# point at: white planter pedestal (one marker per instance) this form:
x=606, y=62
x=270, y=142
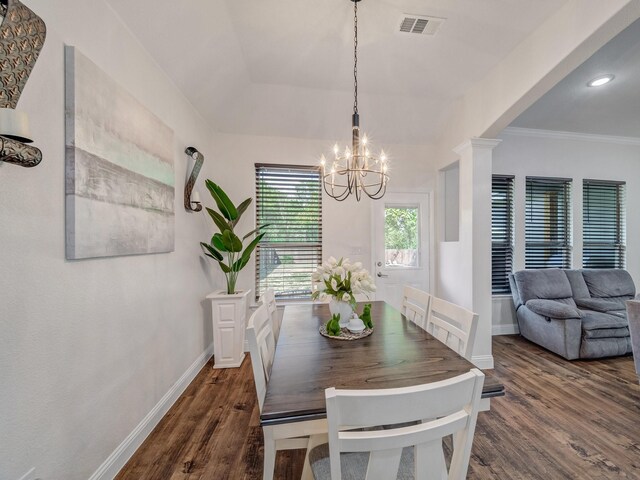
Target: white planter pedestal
x=228, y=315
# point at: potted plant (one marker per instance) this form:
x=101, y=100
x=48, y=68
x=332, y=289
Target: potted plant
x=229, y=307
x=341, y=280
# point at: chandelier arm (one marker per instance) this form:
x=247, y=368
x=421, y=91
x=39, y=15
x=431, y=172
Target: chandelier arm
x=342, y=196
x=383, y=185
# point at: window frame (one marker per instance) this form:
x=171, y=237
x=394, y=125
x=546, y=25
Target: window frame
x=534, y=247
x=620, y=245
x=501, y=286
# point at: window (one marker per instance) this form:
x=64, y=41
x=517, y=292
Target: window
x=289, y=200
x=401, y=237
x=548, y=223
x=501, y=233
x=603, y=224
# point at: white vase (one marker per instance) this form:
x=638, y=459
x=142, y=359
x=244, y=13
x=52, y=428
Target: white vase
x=343, y=308
x=228, y=315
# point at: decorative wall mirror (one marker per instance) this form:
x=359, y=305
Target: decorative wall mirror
x=22, y=35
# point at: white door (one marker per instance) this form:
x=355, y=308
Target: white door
x=401, y=244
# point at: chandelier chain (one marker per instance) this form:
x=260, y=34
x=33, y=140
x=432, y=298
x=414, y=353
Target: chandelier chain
x=355, y=57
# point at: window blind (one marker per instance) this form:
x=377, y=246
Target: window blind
x=501, y=233
x=289, y=200
x=548, y=223
x=603, y=224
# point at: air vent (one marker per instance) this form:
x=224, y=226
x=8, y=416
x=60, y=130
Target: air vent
x=420, y=24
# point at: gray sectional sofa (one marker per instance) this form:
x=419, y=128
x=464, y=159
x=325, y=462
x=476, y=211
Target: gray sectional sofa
x=574, y=313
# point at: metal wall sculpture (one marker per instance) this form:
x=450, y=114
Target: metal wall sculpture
x=22, y=35
x=189, y=204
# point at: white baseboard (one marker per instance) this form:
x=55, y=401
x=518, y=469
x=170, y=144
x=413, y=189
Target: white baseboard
x=508, y=329
x=121, y=455
x=482, y=361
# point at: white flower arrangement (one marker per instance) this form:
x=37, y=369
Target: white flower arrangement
x=341, y=280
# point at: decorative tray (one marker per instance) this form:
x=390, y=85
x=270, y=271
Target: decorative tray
x=346, y=334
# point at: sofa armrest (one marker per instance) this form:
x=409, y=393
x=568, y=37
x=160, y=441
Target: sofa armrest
x=562, y=336
x=553, y=309
x=599, y=304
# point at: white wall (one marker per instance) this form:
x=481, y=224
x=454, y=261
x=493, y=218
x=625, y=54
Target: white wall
x=452, y=203
x=534, y=153
x=89, y=347
x=347, y=224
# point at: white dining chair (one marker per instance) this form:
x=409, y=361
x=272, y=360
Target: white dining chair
x=415, y=305
x=289, y=436
x=453, y=325
x=633, y=315
x=262, y=349
x=423, y=416
x=268, y=298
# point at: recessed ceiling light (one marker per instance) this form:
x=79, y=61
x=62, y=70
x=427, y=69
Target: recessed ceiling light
x=599, y=81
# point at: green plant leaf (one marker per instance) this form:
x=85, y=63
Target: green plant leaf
x=212, y=252
x=246, y=255
x=231, y=241
x=219, y=220
x=218, y=242
x=250, y=233
x=255, y=231
x=240, y=264
x=225, y=268
x=225, y=205
x=241, y=209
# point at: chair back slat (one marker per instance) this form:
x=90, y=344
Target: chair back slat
x=384, y=464
x=415, y=305
x=440, y=409
x=453, y=325
x=261, y=348
x=269, y=297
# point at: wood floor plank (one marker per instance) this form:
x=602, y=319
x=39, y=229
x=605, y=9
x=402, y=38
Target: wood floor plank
x=559, y=420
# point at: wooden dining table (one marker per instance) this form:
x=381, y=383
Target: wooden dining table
x=397, y=354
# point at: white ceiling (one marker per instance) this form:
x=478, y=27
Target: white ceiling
x=284, y=67
x=612, y=109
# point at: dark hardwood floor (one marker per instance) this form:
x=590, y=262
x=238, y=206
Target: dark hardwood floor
x=558, y=420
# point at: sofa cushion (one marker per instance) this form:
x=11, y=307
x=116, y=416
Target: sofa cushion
x=599, y=320
x=604, y=347
x=599, y=304
x=578, y=285
x=606, y=333
x=553, y=309
x=550, y=283
x=609, y=283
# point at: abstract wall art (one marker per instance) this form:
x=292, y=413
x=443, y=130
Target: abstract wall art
x=119, y=168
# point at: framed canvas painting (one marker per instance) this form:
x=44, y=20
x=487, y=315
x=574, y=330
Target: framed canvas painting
x=119, y=168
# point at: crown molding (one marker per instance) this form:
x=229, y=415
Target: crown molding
x=477, y=142
x=558, y=135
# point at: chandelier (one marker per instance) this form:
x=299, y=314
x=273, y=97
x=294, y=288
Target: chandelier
x=356, y=170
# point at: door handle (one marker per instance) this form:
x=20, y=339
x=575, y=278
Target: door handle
x=382, y=275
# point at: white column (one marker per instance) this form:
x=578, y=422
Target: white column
x=476, y=157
